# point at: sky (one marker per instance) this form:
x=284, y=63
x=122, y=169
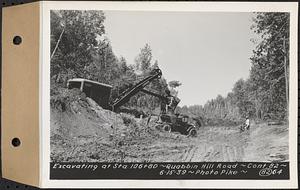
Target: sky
x=206, y=51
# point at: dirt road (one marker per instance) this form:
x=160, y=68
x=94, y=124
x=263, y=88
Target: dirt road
x=217, y=144
x=228, y=144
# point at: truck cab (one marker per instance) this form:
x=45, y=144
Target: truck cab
x=176, y=123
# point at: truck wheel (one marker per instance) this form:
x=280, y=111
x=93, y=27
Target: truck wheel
x=242, y=128
x=158, y=126
x=167, y=128
x=192, y=132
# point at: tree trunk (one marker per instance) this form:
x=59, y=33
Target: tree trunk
x=286, y=74
x=56, y=46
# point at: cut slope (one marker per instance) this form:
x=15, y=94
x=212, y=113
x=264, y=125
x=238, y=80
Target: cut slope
x=83, y=131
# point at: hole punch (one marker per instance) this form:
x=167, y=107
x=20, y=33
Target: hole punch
x=16, y=142
x=17, y=40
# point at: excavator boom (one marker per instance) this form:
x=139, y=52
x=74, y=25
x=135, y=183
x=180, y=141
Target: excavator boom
x=127, y=94
x=163, y=98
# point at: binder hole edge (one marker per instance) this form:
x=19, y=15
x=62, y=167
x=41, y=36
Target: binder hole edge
x=17, y=40
x=16, y=142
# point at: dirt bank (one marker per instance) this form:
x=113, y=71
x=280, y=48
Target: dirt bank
x=83, y=131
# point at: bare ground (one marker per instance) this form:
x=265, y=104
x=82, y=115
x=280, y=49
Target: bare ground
x=83, y=131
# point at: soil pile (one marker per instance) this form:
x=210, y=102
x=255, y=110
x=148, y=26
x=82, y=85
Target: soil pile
x=83, y=131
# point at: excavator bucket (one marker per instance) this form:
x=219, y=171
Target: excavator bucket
x=99, y=92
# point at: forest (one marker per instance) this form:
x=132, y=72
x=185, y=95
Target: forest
x=80, y=49
x=264, y=94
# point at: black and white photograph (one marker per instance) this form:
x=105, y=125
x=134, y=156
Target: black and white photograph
x=145, y=87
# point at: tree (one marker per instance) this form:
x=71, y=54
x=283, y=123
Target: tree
x=144, y=60
x=270, y=62
x=75, y=38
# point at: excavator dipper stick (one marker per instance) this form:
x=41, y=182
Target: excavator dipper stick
x=126, y=95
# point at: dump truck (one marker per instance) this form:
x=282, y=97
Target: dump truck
x=176, y=123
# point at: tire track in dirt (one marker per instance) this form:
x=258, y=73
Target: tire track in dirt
x=215, y=144
x=228, y=144
x=208, y=154
x=225, y=154
x=189, y=154
x=231, y=153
